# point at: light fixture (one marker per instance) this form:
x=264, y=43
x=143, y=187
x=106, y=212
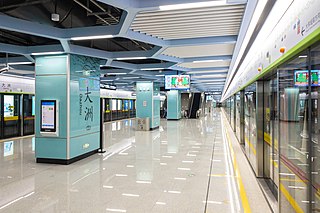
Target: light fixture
x=118, y=73
x=207, y=71
x=91, y=37
x=130, y=77
x=159, y=75
x=48, y=53
x=106, y=80
x=192, y=5
x=152, y=69
x=207, y=61
x=208, y=76
x=20, y=63
x=303, y=56
x=131, y=58
x=215, y=83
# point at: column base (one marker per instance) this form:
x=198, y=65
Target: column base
x=65, y=161
x=157, y=127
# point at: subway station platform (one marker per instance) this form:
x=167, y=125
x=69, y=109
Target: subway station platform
x=193, y=165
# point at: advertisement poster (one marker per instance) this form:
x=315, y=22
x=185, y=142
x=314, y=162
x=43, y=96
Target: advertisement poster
x=7, y=148
x=8, y=106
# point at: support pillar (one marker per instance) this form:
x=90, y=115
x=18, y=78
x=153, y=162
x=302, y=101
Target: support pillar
x=174, y=105
x=148, y=102
x=73, y=83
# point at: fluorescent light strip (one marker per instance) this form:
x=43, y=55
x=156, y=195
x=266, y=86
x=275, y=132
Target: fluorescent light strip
x=91, y=37
x=207, y=61
x=131, y=58
x=192, y=5
x=119, y=73
x=18, y=63
x=48, y=53
x=208, y=71
x=152, y=69
x=160, y=75
x=130, y=77
x=130, y=166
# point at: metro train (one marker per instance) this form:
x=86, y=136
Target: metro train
x=17, y=106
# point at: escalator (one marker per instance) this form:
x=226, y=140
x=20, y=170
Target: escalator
x=194, y=105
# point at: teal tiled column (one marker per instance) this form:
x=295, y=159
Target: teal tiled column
x=174, y=105
x=73, y=81
x=148, y=102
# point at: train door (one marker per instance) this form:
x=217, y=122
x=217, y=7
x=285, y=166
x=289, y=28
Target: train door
x=10, y=117
x=28, y=114
x=270, y=145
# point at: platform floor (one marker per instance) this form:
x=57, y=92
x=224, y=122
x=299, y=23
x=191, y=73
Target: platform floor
x=184, y=166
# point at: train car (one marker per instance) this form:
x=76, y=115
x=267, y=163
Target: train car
x=17, y=106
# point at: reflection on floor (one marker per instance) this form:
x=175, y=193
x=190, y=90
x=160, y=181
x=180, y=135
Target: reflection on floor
x=184, y=166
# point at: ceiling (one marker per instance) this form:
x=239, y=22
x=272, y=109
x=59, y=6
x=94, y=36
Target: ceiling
x=138, y=40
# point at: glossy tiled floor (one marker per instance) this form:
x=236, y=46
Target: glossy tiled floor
x=184, y=166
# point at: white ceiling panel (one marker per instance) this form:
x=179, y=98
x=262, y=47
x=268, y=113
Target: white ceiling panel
x=200, y=51
x=190, y=23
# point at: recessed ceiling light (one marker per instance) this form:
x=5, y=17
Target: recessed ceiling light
x=91, y=37
x=207, y=71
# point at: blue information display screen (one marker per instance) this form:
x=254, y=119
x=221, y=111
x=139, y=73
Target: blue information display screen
x=48, y=116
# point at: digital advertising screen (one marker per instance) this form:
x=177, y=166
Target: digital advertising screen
x=177, y=82
x=301, y=78
x=48, y=116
